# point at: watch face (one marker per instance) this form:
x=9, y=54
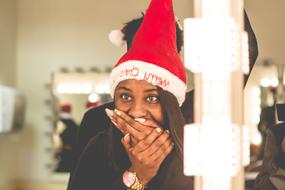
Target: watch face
x=129, y=178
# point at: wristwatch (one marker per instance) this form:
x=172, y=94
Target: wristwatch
x=131, y=180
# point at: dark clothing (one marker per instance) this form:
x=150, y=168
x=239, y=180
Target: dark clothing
x=94, y=121
x=66, y=154
x=267, y=119
x=98, y=168
x=68, y=136
x=272, y=175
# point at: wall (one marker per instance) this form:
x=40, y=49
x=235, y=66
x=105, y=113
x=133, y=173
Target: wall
x=7, y=42
x=8, y=142
x=267, y=17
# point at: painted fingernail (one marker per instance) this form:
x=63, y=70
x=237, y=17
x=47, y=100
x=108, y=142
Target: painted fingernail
x=126, y=136
x=158, y=130
x=140, y=120
x=117, y=112
x=109, y=112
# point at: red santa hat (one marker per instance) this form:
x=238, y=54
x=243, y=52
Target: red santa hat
x=65, y=108
x=153, y=56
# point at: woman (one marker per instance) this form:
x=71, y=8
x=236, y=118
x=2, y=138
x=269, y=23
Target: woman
x=148, y=85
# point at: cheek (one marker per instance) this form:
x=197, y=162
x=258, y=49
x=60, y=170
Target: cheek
x=157, y=114
x=121, y=105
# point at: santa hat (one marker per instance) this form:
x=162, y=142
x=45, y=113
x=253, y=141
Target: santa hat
x=153, y=56
x=65, y=108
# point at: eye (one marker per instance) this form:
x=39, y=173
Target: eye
x=152, y=99
x=126, y=97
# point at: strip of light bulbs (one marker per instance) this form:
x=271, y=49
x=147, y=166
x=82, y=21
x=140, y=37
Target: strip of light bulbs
x=214, y=49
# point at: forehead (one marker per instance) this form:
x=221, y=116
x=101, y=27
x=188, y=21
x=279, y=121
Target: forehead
x=135, y=85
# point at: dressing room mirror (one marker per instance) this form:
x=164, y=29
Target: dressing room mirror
x=264, y=90
x=72, y=95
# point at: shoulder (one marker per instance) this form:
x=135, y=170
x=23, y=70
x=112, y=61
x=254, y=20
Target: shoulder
x=92, y=167
x=94, y=121
x=97, y=142
x=98, y=111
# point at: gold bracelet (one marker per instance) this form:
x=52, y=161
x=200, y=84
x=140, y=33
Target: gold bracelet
x=137, y=185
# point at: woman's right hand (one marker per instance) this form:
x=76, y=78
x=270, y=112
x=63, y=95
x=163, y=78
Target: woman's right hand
x=148, y=154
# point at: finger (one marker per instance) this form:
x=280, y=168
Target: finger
x=132, y=122
x=126, y=140
x=147, y=142
x=159, y=145
x=160, y=158
x=124, y=126
x=111, y=114
x=151, y=123
x=157, y=154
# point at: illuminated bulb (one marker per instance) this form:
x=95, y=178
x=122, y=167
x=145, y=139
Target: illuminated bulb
x=256, y=139
x=93, y=98
x=255, y=92
x=265, y=82
x=74, y=88
x=274, y=82
x=255, y=119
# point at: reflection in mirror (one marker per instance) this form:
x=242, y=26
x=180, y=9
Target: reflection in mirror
x=73, y=94
x=264, y=90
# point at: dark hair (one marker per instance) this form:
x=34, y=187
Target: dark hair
x=132, y=26
x=173, y=119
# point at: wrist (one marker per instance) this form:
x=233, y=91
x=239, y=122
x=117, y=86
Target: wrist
x=140, y=177
x=131, y=181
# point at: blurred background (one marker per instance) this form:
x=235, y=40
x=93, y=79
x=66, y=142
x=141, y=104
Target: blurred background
x=55, y=58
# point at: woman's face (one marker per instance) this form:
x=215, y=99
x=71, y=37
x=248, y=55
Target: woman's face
x=139, y=99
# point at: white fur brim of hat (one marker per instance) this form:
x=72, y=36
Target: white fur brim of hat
x=151, y=73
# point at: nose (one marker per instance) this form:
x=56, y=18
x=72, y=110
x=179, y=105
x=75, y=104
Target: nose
x=137, y=110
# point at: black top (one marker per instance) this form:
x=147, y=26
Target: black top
x=98, y=168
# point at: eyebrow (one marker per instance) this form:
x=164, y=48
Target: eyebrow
x=124, y=88
x=151, y=90
x=127, y=89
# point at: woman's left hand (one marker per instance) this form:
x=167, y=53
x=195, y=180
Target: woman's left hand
x=128, y=125
x=148, y=154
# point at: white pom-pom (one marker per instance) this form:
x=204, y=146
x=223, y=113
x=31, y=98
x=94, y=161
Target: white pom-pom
x=117, y=38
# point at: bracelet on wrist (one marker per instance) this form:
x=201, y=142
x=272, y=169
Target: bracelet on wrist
x=131, y=180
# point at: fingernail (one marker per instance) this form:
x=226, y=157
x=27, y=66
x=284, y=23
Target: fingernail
x=126, y=136
x=167, y=131
x=140, y=120
x=109, y=112
x=117, y=112
x=114, y=122
x=158, y=129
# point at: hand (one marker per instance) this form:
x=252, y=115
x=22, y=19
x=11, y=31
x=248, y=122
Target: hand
x=126, y=124
x=148, y=154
